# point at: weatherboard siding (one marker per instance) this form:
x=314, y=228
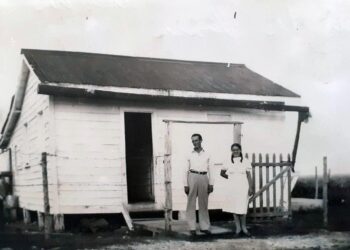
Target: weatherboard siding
x=29, y=139
x=88, y=158
x=90, y=147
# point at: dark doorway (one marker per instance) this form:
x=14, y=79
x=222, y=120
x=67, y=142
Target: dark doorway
x=139, y=157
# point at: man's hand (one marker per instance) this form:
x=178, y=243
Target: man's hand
x=210, y=189
x=187, y=190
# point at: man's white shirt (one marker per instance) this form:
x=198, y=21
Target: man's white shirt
x=200, y=162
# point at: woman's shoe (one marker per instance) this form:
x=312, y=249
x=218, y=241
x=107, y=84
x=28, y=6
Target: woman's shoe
x=246, y=234
x=206, y=232
x=193, y=233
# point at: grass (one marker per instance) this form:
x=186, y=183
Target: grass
x=338, y=199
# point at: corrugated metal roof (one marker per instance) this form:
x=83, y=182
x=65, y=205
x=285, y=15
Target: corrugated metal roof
x=150, y=73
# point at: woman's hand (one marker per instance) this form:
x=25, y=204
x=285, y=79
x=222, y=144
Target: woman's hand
x=250, y=191
x=210, y=189
x=223, y=174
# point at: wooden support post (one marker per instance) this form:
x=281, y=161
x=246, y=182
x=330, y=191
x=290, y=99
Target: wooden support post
x=13, y=214
x=26, y=216
x=274, y=184
x=167, y=180
x=289, y=173
x=267, y=172
x=2, y=215
x=301, y=116
x=282, y=184
x=325, y=192
x=41, y=221
x=48, y=225
x=316, y=183
x=254, y=185
x=58, y=222
x=261, y=184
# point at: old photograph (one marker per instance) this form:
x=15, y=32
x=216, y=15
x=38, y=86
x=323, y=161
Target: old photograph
x=148, y=124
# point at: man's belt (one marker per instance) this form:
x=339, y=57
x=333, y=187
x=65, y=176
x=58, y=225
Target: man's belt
x=197, y=172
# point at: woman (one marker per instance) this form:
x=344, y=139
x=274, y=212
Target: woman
x=240, y=188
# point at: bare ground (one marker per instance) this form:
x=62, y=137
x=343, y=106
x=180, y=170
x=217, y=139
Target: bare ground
x=321, y=240
x=305, y=231
x=122, y=239
x=324, y=240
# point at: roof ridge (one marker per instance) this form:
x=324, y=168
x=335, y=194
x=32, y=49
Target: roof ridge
x=61, y=52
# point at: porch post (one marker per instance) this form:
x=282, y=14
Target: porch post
x=48, y=220
x=167, y=180
x=301, y=117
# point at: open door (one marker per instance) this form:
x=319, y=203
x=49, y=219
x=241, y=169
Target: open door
x=139, y=157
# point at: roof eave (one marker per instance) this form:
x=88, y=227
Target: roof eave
x=57, y=90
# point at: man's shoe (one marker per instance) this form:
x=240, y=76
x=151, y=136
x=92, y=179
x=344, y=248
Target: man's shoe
x=247, y=234
x=207, y=232
x=193, y=233
x=238, y=235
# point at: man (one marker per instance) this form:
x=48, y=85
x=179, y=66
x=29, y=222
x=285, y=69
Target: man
x=198, y=182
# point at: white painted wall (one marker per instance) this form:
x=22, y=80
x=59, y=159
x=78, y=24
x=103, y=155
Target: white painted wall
x=217, y=139
x=301, y=44
x=30, y=138
x=90, y=148
x=5, y=161
x=89, y=163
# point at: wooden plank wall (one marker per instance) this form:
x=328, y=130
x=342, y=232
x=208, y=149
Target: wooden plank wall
x=89, y=154
x=30, y=138
x=88, y=157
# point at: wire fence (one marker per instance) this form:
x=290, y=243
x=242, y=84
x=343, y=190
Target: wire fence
x=101, y=181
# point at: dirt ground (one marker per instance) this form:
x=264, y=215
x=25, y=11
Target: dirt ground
x=320, y=240
x=325, y=240
x=305, y=231
x=122, y=240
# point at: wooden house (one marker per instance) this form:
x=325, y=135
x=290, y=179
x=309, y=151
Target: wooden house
x=94, y=133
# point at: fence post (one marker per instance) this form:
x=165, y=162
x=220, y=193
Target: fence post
x=167, y=180
x=282, y=184
x=325, y=192
x=261, y=200
x=267, y=172
x=289, y=192
x=254, y=185
x=47, y=216
x=274, y=184
x=316, y=183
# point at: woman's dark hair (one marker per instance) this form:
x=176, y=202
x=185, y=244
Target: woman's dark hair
x=240, y=148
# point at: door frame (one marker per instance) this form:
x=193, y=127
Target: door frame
x=124, y=183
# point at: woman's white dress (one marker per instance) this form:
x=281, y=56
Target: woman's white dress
x=237, y=187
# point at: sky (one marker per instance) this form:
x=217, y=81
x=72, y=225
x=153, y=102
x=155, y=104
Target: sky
x=301, y=44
